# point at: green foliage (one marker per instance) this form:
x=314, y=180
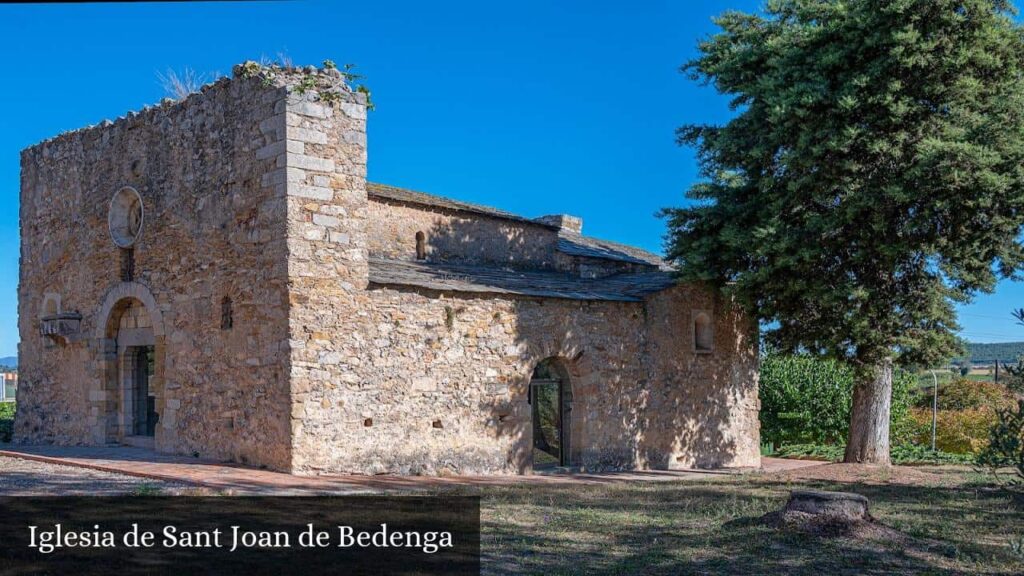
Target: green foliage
x=808, y=400
x=804, y=400
x=307, y=83
x=547, y=425
x=917, y=454
x=1006, y=445
x=1015, y=374
x=6, y=421
x=829, y=452
x=249, y=69
x=1014, y=379
x=449, y=318
x=267, y=72
x=901, y=454
x=362, y=89
x=967, y=409
x=957, y=431
x=903, y=384
x=963, y=394
x=870, y=177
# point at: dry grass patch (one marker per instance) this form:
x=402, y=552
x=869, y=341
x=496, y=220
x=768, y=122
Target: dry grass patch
x=952, y=522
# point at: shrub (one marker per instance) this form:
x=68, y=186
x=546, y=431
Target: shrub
x=916, y=454
x=956, y=431
x=964, y=394
x=967, y=411
x=806, y=400
x=6, y=421
x=829, y=452
x=900, y=454
x=1006, y=443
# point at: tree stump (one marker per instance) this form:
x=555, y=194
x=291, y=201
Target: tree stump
x=838, y=505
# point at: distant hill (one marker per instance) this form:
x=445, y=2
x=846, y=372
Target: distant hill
x=1005, y=352
x=9, y=361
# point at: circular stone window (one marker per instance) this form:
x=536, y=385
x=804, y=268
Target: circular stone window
x=125, y=217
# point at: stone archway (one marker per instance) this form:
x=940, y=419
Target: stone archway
x=131, y=291
x=130, y=333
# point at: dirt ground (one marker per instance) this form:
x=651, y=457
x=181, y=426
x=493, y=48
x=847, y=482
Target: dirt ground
x=875, y=475
x=931, y=520
x=29, y=478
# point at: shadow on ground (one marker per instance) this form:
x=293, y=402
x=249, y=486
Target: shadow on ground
x=715, y=528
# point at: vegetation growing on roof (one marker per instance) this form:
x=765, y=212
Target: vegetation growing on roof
x=311, y=79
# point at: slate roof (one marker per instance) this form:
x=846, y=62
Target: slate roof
x=569, y=242
x=494, y=280
x=579, y=245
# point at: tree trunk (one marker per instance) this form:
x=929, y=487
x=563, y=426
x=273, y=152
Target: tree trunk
x=868, y=442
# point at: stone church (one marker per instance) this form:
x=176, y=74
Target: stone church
x=215, y=277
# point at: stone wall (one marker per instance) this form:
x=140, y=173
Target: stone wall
x=415, y=381
x=474, y=239
x=409, y=391
x=709, y=401
x=214, y=227
x=456, y=237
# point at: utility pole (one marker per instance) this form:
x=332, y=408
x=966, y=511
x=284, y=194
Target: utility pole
x=935, y=405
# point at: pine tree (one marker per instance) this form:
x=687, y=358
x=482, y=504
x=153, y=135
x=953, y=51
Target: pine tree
x=872, y=176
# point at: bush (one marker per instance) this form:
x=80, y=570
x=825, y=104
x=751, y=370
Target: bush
x=6, y=421
x=957, y=431
x=900, y=454
x=806, y=400
x=829, y=452
x=967, y=411
x=964, y=394
x=1006, y=443
x=916, y=454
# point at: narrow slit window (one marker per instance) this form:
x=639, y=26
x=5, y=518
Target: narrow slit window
x=127, y=264
x=703, y=334
x=227, y=314
x=421, y=246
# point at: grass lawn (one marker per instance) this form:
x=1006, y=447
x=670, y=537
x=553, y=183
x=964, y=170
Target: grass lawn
x=954, y=520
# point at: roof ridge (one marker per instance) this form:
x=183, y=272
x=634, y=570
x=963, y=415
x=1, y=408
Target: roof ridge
x=402, y=194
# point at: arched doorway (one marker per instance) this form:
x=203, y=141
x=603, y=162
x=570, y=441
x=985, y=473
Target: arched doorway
x=550, y=398
x=131, y=328
x=132, y=336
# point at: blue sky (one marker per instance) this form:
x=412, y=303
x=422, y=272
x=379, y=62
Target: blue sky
x=535, y=107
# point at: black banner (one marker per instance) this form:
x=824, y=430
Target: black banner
x=129, y=535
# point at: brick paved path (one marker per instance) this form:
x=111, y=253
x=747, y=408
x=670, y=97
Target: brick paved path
x=233, y=478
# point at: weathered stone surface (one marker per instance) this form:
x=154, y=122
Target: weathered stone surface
x=844, y=505
x=273, y=347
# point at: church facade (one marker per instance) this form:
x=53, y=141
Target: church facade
x=215, y=276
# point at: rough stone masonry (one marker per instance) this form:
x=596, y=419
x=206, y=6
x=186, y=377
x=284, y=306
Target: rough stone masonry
x=214, y=276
